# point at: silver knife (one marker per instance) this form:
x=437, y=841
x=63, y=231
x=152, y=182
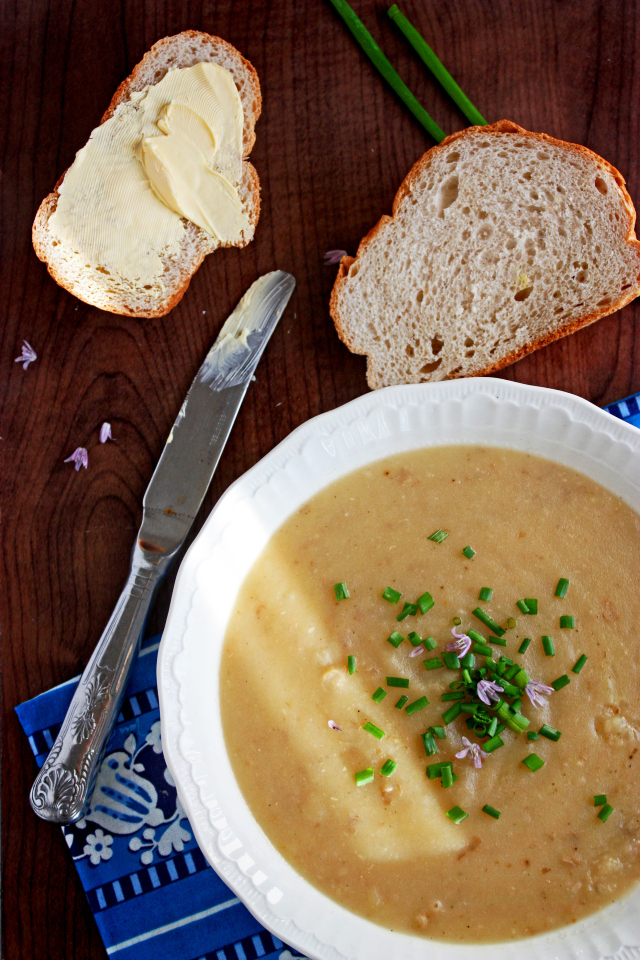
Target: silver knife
x=64, y=785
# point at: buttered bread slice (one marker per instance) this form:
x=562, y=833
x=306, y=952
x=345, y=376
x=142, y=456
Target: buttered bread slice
x=161, y=182
x=501, y=241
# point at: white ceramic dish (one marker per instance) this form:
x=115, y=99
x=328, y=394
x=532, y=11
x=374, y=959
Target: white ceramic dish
x=482, y=411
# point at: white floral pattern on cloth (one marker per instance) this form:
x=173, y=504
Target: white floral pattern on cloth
x=126, y=802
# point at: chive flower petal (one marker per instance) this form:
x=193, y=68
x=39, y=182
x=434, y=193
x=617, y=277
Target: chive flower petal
x=537, y=691
x=105, y=432
x=461, y=645
x=334, y=256
x=80, y=457
x=474, y=750
x=334, y=726
x=489, y=691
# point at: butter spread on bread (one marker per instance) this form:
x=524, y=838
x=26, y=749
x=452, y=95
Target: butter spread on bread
x=177, y=153
x=501, y=241
x=161, y=182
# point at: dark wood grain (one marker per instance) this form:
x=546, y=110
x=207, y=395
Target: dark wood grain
x=333, y=145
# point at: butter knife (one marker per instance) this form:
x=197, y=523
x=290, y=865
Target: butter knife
x=65, y=782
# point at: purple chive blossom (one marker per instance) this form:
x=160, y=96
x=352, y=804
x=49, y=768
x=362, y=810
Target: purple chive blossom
x=461, y=645
x=537, y=691
x=417, y=651
x=334, y=256
x=105, y=433
x=27, y=356
x=487, y=690
x=80, y=457
x=334, y=726
x=475, y=750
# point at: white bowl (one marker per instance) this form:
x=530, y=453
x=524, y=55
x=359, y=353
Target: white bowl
x=499, y=413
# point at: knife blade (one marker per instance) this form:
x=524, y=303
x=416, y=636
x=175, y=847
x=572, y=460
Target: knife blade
x=63, y=787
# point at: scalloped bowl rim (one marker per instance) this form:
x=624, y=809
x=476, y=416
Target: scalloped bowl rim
x=484, y=411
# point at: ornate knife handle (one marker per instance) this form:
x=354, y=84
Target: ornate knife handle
x=64, y=785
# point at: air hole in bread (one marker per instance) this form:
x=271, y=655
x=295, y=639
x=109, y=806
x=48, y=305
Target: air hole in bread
x=511, y=243
x=581, y=276
x=527, y=175
x=543, y=156
x=625, y=286
x=470, y=353
x=430, y=367
x=353, y=269
x=419, y=296
x=469, y=342
x=436, y=345
x=556, y=294
x=482, y=215
x=523, y=294
x=466, y=234
x=534, y=195
x=560, y=189
x=603, y=303
x=485, y=232
x=410, y=352
x=601, y=185
x=453, y=157
x=485, y=143
x=466, y=210
x=447, y=193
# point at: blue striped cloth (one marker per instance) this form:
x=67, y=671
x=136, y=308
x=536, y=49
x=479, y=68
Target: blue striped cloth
x=151, y=891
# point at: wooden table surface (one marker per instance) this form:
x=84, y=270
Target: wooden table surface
x=333, y=145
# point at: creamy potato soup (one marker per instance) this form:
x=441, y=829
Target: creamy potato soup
x=422, y=850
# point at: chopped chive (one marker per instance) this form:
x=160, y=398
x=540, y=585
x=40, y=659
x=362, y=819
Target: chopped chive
x=434, y=770
x=522, y=605
x=466, y=675
x=482, y=649
x=548, y=646
x=510, y=689
x=533, y=762
x=364, y=776
x=456, y=621
x=397, y=682
x=512, y=671
x=414, y=638
x=521, y=679
x=511, y=623
x=395, y=639
x=379, y=695
x=532, y=603
x=457, y=814
x=498, y=640
x=401, y=702
x=419, y=704
x=447, y=776
x=493, y=743
x=438, y=536
x=533, y=735
x=388, y=767
x=468, y=661
x=373, y=730
x=485, y=593
x=488, y=622
x=474, y=635
x=391, y=595
x=439, y=732
x=515, y=721
x=517, y=705
x=453, y=712
x=567, y=623
x=429, y=743
x=433, y=663
x=579, y=664
x=500, y=728
x=341, y=591
x=550, y=732
x=454, y=695
x=492, y=728
x=409, y=609
x=560, y=682
x=450, y=659
x=599, y=799
x=605, y=813
x=469, y=552
x=469, y=707
x=523, y=646
x=561, y=589
x=425, y=602
x=351, y=664
x=507, y=660
x=491, y=811
x=429, y=643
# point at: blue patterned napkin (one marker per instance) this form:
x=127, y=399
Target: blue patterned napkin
x=151, y=890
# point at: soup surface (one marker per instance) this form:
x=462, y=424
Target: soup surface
x=386, y=849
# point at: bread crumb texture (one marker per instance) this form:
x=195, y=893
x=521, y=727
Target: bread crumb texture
x=96, y=285
x=501, y=241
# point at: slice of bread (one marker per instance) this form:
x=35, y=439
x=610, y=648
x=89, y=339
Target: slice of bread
x=501, y=241
x=116, y=293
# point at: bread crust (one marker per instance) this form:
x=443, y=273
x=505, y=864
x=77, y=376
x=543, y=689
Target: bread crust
x=502, y=127
x=134, y=82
